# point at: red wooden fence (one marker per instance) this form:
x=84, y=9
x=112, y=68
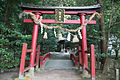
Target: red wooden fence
x=23, y=58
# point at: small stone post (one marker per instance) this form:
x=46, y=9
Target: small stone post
x=117, y=74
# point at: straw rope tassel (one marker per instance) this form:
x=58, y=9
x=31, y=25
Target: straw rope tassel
x=75, y=39
x=60, y=37
x=45, y=35
x=69, y=36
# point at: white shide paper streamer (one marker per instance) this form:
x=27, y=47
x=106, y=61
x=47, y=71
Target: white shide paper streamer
x=69, y=36
x=79, y=33
x=54, y=32
x=41, y=28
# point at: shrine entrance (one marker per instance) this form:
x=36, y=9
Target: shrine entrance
x=74, y=61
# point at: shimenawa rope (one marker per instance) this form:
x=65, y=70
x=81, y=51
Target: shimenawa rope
x=54, y=27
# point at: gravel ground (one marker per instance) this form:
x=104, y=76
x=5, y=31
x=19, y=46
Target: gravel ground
x=57, y=75
x=8, y=75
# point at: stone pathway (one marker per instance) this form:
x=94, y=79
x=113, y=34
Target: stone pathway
x=57, y=75
x=58, y=64
x=59, y=67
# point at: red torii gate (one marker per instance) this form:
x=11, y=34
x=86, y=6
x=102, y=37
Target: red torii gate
x=80, y=11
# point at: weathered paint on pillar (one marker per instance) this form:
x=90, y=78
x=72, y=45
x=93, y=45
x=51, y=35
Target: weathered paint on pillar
x=37, y=59
x=84, y=42
x=93, y=62
x=23, y=56
x=79, y=55
x=34, y=41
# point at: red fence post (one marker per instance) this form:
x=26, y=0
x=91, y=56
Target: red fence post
x=70, y=56
x=41, y=61
x=37, y=59
x=34, y=42
x=49, y=55
x=79, y=55
x=22, y=63
x=84, y=42
x=93, y=62
x=76, y=61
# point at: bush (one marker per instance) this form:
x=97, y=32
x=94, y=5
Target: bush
x=7, y=59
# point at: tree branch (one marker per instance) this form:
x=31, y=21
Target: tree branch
x=116, y=23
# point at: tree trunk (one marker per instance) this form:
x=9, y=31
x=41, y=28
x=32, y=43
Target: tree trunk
x=6, y=19
x=7, y=12
x=102, y=29
x=102, y=34
x=104, y=43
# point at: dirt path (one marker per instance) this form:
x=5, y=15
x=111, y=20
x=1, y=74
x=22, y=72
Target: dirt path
x=57, y=75
x=8, y=75
x=46, y=75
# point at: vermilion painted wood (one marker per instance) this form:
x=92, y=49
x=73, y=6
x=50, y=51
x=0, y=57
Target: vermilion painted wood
x=35, y=64
x=41, y=61
x=26, y=69
x=76, y=61
x=93, y=62
x=79, y=47
x=29, y=50
x=89, y=71
x=34, y=41
x=43, y=58
x=66, y=12
x=53, y=21
x=23, y=56
x=38, y=52
x=46, y=56
x=84, y=42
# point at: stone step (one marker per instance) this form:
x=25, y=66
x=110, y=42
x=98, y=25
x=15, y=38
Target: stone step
x=58, y=55
x=58, y=64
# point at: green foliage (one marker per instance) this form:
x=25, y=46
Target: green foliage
x=7, y=59
x=103, y=55
x=11, y=43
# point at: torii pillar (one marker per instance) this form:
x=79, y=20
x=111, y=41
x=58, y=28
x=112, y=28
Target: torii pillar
x=34, y=43
x=84, y=42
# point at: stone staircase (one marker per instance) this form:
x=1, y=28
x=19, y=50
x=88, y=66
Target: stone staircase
x=59, y=67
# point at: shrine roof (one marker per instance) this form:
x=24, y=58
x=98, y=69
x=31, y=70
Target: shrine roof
x=52, y=8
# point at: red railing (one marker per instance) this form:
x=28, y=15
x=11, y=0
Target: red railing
x=23, y=58
x=43, y=58
x=74, y=59
x=90, y=70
